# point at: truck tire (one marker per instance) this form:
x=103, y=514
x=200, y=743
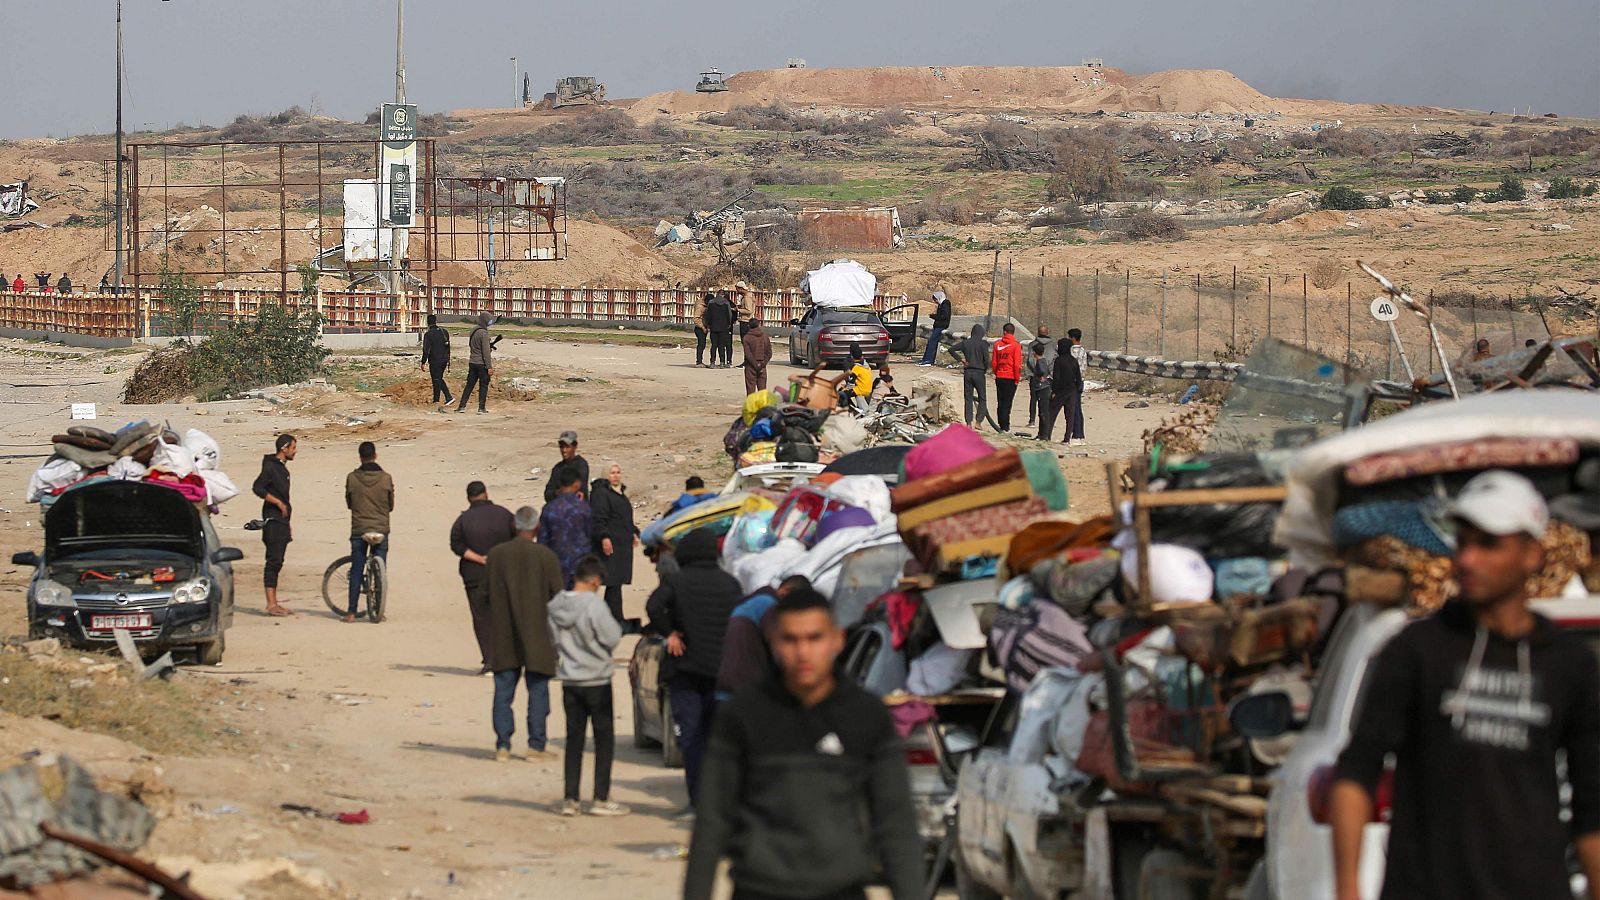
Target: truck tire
x=210, y=653
x=1161, y=876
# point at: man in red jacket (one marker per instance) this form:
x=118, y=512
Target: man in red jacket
x=1006, y=360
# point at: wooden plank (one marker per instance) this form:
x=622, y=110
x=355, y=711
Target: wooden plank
x=1247, y=805
x=1270, y=493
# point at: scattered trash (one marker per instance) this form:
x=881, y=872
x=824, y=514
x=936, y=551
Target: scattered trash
x=1136, y=404
x=668, y=854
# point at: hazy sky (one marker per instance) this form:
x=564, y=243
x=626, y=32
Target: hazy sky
x=208, y=60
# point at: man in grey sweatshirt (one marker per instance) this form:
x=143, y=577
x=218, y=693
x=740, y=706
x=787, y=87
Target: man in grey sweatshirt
x=480, y=365
x=586, y=634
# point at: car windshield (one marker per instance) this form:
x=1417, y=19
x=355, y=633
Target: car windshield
x=849, y=317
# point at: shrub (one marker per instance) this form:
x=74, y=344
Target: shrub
x=1590, y=188
x=1562, y=187
x=279, y=346
x=181, y=296
x=1203, y=183
x=604, y=128
x=1464, y=194
x=1146, y=224
x=1085, y=172
x=1343, y=197
x=1511, y=188
x=786, y=174
x=631, y=192
x=1439, y=197
x=1141, y=188
x=1327, y=272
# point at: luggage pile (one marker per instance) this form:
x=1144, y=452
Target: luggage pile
x=773, y=428
x=139, y=451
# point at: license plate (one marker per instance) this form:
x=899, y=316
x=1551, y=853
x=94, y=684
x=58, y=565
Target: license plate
x=126, y=620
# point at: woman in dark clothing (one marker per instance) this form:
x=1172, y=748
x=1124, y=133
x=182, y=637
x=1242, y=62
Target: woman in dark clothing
x=614, y=533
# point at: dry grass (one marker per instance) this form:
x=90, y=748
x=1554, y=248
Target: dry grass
x=159, y=716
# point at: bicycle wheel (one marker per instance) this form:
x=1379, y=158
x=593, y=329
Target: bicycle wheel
x=341, y=568
x=376, y=586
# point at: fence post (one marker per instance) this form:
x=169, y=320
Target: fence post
x=1009, y=261
x=1233, y=311
x=1511, y=314
x=1161, y=329
x=1197, y=316
x=1127, y=289
x=1305, y=312
x=1040, y=320
x=1269, y=306
x=1472, y=301
x=1066, y=304
x=1097, y=344
x=1349, y=321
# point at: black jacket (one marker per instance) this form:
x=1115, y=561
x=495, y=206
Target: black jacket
x=1477, y=806
x=613, y=518
x=480, y=528
x=719, y=316
x=805, y=802
x=577, y=463
x=436, y=347
x=274, y=480
x=1067, y=377
x=974, y=351
x=941, y=314
x=695, y=601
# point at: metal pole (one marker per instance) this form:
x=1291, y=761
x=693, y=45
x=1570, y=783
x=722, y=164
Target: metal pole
x=1127, y=288
x=1269, y=307
x=1349, y=321
x=1197, y=316
x=400, y=53
x=1040, y=320
x=1233, y=311
x=1472, y=298
x=994, y=280
x=1428, y=320
x=1161, y=329
x=283, y=235
x=119, y=210
x=1394, y=334
x=1097, y=343
x=1009, y=261
x=1511, y=314
x=1305, y=311
x=516, y=83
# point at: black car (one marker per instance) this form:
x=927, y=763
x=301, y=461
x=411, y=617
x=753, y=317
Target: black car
x=134, y=556
x=823, y=337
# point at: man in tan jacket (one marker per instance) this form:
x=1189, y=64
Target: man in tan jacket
x=369, y=493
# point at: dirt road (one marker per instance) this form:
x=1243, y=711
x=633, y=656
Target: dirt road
x=392, y=718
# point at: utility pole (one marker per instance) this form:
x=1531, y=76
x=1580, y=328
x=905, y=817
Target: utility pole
x=516, y=83
x=117, y=265
x=400, y=54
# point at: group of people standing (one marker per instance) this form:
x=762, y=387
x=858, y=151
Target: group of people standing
x=43, y=283
x=721, y=314
x=1054, y=371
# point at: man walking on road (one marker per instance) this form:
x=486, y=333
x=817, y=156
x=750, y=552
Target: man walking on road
x=566, y=526
x=522, y=576
x=691, y=607
x=480, y=528
x=805, y=787
x=436, y=358
x=586, y=635
x=1081, y=356
x=719, y=322
x=757, y=354
x=1475, y=704
x=480, y=365
x=974, y=353
x=272, y=486
x=369, y=495
x=570, y=462
x=939, y=325
x=1006, y=359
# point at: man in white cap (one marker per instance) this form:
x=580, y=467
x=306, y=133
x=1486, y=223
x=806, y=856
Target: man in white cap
x=1475, y=704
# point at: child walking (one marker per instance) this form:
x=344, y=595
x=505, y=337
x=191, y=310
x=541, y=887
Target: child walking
x=586, y=634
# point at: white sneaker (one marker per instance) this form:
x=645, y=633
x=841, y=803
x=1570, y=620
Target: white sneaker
x=570, y=808
x=608, y=808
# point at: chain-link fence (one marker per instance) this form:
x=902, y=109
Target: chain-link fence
x=1193, y=318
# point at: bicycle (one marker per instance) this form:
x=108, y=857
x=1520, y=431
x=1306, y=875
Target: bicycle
x=374, y=582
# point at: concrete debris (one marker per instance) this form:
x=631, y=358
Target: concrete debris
x=43, y=647
x=29, y=858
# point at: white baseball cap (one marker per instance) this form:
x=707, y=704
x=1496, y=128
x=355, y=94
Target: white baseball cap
x=1502, y=502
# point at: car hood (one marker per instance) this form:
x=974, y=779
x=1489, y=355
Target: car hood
x=107, y=514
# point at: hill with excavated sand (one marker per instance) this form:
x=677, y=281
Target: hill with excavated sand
x=1042, y=88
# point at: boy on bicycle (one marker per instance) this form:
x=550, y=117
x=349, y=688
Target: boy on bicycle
x=586, y=633
x=369, y=492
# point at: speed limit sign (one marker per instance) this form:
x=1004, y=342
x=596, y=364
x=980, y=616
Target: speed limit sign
x=1384, y=309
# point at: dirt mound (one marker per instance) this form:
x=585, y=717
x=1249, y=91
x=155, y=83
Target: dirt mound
x=597, y=254
x=1059, y=88
x=419, y=392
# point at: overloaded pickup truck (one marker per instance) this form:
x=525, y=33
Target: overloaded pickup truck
x=133, y=556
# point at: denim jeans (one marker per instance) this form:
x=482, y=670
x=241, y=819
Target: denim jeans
x=505, y=690
x=931, y=354
x=693, y=707
x=358, y=565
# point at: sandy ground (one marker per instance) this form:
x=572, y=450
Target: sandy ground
x=392, y=718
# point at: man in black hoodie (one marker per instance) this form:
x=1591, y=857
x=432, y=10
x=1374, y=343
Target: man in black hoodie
x=805, y=788
x=1475, y=705
x=974, y=353
x=436, y=358
x=691, y=607
x=272, y=486
x=1066, y=382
